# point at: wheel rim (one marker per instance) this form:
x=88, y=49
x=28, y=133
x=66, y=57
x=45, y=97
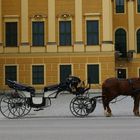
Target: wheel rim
x=4, y=107
x=79, y=106
x=13, y=105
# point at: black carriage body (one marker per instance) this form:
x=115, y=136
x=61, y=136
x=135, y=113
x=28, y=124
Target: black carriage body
x=36, y=105
x=20, y=102
x=21, y=87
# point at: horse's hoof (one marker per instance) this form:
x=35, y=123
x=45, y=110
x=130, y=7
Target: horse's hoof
x=107, y=114
x=137, y=115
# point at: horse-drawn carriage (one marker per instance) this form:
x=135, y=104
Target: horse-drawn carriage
x=22, y=98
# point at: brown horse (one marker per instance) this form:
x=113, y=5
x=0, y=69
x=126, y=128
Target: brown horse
x=113, y=87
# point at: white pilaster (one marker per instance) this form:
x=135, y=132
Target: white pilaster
x=78, y=45
x=51, y=45
x=107, y=25
x=131, y=32
x=0, y=23
x=24, y=27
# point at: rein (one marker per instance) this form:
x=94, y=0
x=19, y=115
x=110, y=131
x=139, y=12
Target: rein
x=118, y=100
x=99, y=100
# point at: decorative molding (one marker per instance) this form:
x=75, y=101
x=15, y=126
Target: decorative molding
x=107, y=42
x=130, y=0
x=11, y=16
x=24, y=44
x=65, y=16
x=92, y=14
x=38, y=16
x=51, y=43
x=79, y=43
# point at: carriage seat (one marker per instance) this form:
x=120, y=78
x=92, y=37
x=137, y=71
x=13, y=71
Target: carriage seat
x=51, y=87
x=31, y=90
x=21, y=87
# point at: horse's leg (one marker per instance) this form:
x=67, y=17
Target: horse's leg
x=106, y=101
x=136, y=105
x=107, y=110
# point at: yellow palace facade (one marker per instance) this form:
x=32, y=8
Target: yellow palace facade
x=44, y=41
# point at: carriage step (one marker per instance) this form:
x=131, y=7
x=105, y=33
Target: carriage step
x=38, y=109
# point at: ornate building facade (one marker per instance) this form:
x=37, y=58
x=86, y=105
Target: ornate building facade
x=44, y=41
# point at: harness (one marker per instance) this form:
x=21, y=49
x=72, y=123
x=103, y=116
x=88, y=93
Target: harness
x=131, y=83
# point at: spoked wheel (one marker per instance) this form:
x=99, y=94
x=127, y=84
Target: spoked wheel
x=13, y=105
x=27, y=107
x=93, y=105
x=80, y=106
x=4, y=106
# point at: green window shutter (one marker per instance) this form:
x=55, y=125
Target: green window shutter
x=38, y=74
x=93, y=73
x=65, y=33
x=11, y=34
x=10, y=73
x=65, y=71
x=38, y=33
x=119, y=6
x=92, y=32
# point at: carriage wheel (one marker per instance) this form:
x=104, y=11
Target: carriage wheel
x=4, y=106
x=27, y=107
x=13, y=105
x=93, y=105
x=80, y=105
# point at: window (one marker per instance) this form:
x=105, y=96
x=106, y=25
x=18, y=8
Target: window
x=93, y=74
x=38, y=74
x=65, y=71
x=121, y=73
x=138, y=6
x=38, y=33
x=65, y=33
x=10, y=73
x=92, y=32
x=138, y=41
x=119, y=6
x=11, y=34
x=120, y=42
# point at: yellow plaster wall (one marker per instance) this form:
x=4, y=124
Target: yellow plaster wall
x=11, y=7
x=120, y=20
x=52, y=62
x=38, y=7
x=92, y=6
x=65, y=6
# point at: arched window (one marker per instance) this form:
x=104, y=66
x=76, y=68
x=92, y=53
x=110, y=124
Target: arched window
x=120, y=42
x=138, y=41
